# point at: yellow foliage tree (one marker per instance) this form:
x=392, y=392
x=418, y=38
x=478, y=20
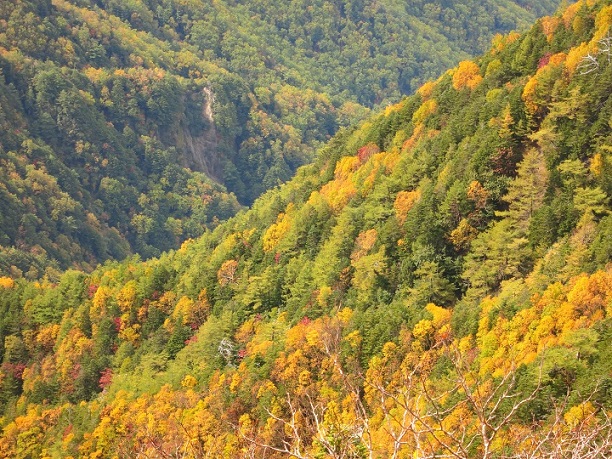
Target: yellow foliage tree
x=477, y=194
x=227, y=272
x=426, y=90
x=127, y=296
x=404, y=201
x=461, y=236
x=428, y=107
x=6, y=282
x=467, y=75
x=277, y=231
x=549, y=26
x=364, y=243
x=499, y=41
x=603, y=22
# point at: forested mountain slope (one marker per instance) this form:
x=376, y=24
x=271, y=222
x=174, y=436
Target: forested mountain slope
x=437, y=283
x=104, y=104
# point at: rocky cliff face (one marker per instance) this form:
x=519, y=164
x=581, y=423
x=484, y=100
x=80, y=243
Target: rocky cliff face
x=200, y=149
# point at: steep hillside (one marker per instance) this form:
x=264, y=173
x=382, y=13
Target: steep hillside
x=104, y=105
x=437, y=283
x=367, y=51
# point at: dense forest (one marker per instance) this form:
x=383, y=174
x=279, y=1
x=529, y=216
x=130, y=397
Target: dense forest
x=130, y=126
x=437, y=283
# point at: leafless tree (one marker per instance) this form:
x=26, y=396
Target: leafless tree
x=306, y=421
x=588, y=437
x=605, y=44
x=454, y=419
x=290, y=444
x=226, y=350
x=588, y=64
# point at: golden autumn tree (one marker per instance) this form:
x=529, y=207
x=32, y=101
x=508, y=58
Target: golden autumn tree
x=466, y=75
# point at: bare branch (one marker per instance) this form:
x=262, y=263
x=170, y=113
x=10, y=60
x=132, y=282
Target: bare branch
x=588, y=65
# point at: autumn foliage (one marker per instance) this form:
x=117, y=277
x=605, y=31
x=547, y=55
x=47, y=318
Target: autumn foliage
x=438, y=283
x=467, y=75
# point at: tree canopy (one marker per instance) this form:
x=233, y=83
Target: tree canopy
x=130, y=126
x=436, y=283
